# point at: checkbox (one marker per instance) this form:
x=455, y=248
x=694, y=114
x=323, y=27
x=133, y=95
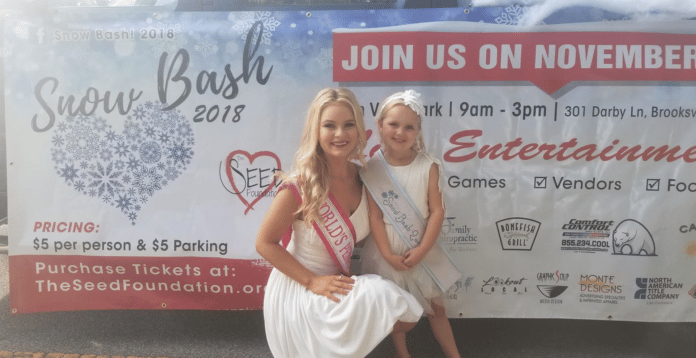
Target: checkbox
x=539, y=182
x=652, y=185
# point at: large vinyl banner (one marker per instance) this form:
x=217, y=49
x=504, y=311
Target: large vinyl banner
x=142, y=147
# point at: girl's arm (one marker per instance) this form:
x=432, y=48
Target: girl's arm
x=274, y=225
x=434, y=224
x=379, y=233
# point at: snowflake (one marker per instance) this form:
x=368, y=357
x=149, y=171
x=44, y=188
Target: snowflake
x=184, y=129
x=180, y=153
x=119, y=164
x=171, y=173
x=121, y=149
x=92, y=192
x=160, y=166
x=68, y=172
x=83, y=165
x=206, y=45
x=124, y=203
x=325, y=58
x=132, y=131
x=58, y=156
x=143, y=199
x=139, y=112
x=132, y=216
x=165, y=119
x=99, y=124
x=105, y=179
x=82, y=142
x=150, y=131
x=269, y=23
x=62, y=127
x=110, y=136
x=512, y=16
x=131, y=191
x=150, y=152
x=105, y=155
x=79, y=185
x=147, y=181
x=57, y=140
x=133, y=164
x=126, y=179
x=106, y=199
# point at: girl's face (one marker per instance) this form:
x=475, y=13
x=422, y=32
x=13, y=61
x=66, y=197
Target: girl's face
x=338, y=131
x=399, y=128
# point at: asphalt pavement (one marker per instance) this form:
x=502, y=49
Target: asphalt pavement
x=213, y=334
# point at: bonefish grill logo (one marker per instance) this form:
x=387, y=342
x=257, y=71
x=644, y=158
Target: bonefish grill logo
x=517, y=233
x=250, y=177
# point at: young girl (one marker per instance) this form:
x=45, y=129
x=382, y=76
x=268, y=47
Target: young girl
x=398, y=251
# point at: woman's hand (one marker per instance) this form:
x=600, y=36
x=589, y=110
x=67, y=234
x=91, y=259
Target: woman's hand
x=414, y=256
x=397, y=262
x=329, y=285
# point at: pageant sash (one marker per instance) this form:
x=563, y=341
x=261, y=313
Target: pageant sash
x=405, y=217
x=335, y=230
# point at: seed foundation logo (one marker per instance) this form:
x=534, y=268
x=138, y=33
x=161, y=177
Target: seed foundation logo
x=504, y=286
x=457, y=237
x=657, y=290
x=551, y=291
x=587, y=236
x=517, y=233
x=250, y=176
x=600, y=289
x=632, y=238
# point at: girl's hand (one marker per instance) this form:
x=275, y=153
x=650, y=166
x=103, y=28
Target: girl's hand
x=397, y=262
x=329, y=285
x=414, y=256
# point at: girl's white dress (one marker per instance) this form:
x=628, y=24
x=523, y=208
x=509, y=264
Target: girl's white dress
x=414, y=179
x=300, y=323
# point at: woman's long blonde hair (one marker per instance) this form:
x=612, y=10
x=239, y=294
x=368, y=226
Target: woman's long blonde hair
x=311, y=173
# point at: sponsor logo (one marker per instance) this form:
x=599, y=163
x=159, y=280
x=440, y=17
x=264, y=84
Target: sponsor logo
x=552, y=291
x=588, y=236
x=462, y=283
x=517, y=233
x=690, y=249
x=504, y=286
x=250, y=176
x=458, y=237
x=684, y=229
x=632, y=238
x=657, y=290
x=692, y=292
x=600, y=289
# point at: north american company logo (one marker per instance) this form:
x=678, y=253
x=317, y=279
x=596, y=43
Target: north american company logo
x=517, y=233
x=657, y=290
x=555, y=290
x=498, y=285
x=632, y=238
x=458, y=237
x=587, y=236
x=250, y=177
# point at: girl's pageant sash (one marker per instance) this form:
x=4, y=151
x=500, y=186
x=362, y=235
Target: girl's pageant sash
x=404, y=216
x=335, y=230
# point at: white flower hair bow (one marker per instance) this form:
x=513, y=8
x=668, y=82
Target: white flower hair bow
x=411, y=98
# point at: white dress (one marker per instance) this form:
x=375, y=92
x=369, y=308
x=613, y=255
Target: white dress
x=300, y=323
x=414, y=179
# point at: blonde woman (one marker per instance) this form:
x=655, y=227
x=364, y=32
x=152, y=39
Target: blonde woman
x=313, y=307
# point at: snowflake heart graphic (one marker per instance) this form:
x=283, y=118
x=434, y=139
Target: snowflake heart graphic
x=123, y=170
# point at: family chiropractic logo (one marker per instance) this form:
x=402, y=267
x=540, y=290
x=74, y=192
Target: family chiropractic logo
x=250, y=176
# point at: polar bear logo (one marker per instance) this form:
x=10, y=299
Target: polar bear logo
x=632, y=238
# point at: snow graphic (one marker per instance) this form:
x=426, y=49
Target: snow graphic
x=124, y=169
x=243, y=24
x=512, y=15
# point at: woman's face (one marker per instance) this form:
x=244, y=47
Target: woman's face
x=338, y=131
x=399, y=128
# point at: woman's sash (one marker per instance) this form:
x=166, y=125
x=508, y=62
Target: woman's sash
x=406, y=219
x=335, y=230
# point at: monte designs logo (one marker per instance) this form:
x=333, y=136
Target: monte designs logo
x=250, y=177
x=632, y=238
x=600, y=289
x=126, y=169
x=517, y=233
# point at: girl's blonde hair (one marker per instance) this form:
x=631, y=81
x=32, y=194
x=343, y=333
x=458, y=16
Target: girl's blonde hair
x=410, y=99
x=311, y=173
